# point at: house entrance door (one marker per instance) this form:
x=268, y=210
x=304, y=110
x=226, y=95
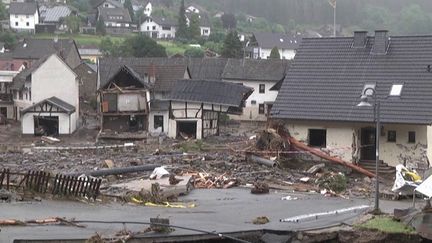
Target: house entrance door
x=368, y=144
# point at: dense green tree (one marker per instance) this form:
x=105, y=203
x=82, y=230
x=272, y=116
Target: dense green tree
x=106, y=46
x=182, y=29
x=229, y=21
x=9, y=38
x=100, y=27
x=128, y=5
x=274, y=54
x=213, y=46
x=142, y=46
x=194, y=52
x=376, y=18
x=3, y=11
x=232, y=47
x=73, y=23
x=414, y=20
x=194, y=31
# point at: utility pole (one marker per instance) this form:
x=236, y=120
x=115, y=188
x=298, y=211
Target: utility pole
x=333, y=4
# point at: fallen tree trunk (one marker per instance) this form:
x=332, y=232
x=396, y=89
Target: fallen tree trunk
x=301, y=146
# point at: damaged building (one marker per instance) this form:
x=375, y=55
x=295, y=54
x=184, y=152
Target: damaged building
x=195, y=106
x=319, y=96
x=124, y=101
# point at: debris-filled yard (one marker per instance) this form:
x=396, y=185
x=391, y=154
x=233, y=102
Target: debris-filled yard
x=159, y=172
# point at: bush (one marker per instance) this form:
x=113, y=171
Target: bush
x=333, y=181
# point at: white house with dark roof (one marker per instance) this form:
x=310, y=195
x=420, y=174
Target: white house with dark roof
x=318, y=100
x=262, y=43
x=262, y=76
x=159, y=27
x=117, y=20
x=46, y=97
x=23, y=16
x=54, y=15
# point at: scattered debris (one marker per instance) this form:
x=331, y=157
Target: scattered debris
x=173, y=180
x=158, y=173
x=261, y=220
x=304, y=179
x=406, y=181
x=47, y=221
x=160, y=225
x=108, y=163
x=289, y=198
x=207, y=181
x=259, y=160
x=260, y=188
x=335, y=182
x=50, y=140
x=314, y=169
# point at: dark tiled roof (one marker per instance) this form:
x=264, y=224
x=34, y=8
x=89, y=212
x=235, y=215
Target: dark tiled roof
x=112, y=15
x=162, y=21
x=206, y=68
x=255, y=69
x=130, y=72
x=62, y=105
x=327, y=77
x=269, y=40
x=11, y=65
x=23, y=8
x=38, y=48
x=210, y=92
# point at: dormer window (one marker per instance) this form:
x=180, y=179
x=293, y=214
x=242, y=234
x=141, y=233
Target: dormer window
x=369, y=87
x=396, y=90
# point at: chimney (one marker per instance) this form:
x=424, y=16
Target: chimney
x=381, y=42
x=360, y=38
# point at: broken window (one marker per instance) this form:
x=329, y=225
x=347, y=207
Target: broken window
x=158, y=122
x=391, y=136
x=411, y=137
x=317, y=138
x=396, y=90
x=262, y=88
x=261, y=109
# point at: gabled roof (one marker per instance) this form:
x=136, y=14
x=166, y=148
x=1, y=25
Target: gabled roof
x=119, y=15
x=54, y=14
x=28, y=8
x=63, y=106
x=38, y=48
x=162, y=21
x=204, y=20
x=20, y=79
x=269, y=40
x=210, y=92
x=167, y=70
x=255, y=69
x=113, y=2
x=129, y=71
x=328, y=75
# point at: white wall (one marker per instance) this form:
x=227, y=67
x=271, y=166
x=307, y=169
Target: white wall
x=131, y=102
x=251, y=111
x=23, y=20
x=150, y=26
x=27, y=122
x=205, y=31
x=148, y=9
x=340, y=137
x=165, y=115
x=261, y=53
x=55, y=78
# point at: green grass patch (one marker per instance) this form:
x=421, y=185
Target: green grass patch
x=386, y=224
x=173, y=47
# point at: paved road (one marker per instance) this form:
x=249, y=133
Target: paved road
x=230, y=210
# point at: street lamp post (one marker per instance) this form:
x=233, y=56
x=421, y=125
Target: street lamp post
x=364, y=103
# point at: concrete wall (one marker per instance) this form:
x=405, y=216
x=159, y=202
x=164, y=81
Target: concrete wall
x=172, y=132
x=342, y=139
x=251, y=111
x=165, y=115
x=65, y=127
